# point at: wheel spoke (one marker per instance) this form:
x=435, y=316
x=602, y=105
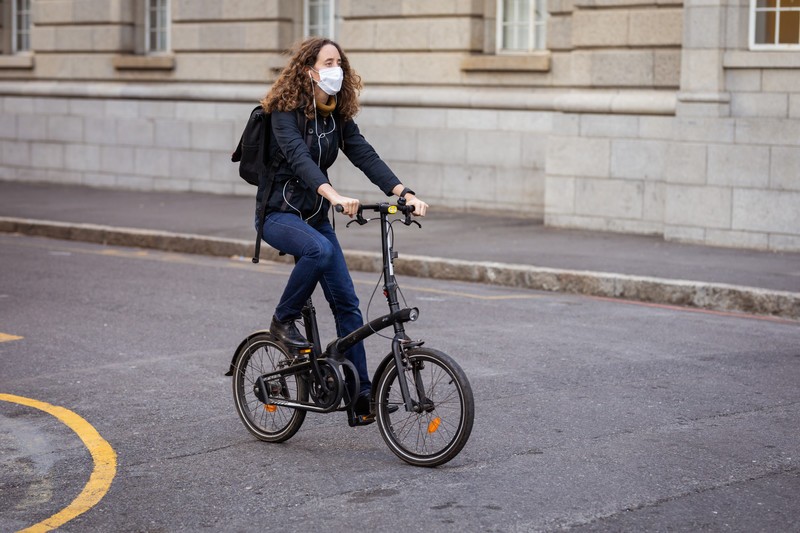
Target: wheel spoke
x=437, y=433
x=266, y=421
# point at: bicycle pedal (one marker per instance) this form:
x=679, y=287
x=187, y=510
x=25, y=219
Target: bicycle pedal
x=360, y=420
x=298, y=352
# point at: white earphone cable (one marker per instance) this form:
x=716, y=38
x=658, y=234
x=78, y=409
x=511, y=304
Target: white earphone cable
x=319, y=136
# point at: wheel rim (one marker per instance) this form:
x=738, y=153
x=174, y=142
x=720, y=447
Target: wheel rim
x=432, y=433
x=264, y=418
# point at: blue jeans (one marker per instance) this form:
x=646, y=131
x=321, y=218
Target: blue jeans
x=319, y=260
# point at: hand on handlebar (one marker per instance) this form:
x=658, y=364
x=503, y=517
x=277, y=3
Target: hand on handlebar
x=420, y=207
x=348, y=206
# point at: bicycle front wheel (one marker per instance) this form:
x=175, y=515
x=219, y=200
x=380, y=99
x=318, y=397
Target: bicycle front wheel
x=441, y=422
x=267, y=421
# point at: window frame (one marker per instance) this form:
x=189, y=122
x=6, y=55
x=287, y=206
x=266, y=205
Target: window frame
x=16, y=33
x=330, y=23
x=537, y=29
x=165, y=27
x=753, y=12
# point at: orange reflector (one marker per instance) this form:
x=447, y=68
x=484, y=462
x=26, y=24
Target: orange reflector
x=434, y=425
x=305, y=350
x=270, y=407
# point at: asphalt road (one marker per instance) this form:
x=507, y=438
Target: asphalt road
x=591, y=414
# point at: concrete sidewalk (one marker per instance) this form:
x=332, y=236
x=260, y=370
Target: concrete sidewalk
x=463, y=246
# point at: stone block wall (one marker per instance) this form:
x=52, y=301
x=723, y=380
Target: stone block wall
x=77, y=39
x=606, y=172
x=232, y=40
x=723, y=168
x=131, y=144
x=723, y=181
x=616, y=43
x=643, y=116
x=489, y=160
x=221, y=40
x=403, y=43
x=410, y=42
x=459, y=158
x=752, y=173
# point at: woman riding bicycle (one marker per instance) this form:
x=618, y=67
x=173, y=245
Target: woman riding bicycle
x=319, y=83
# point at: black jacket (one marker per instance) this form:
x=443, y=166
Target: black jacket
x=305, y=167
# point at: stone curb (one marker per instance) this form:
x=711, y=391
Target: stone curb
x=702, y=295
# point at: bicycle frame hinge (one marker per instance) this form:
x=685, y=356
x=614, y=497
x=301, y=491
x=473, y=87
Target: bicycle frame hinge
x=408, y=343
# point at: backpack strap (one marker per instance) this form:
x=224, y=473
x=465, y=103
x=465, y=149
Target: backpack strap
x=268, y=179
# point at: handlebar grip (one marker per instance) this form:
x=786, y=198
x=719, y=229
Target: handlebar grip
x=339, y=208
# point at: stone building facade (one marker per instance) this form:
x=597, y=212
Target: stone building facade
x=667, y=117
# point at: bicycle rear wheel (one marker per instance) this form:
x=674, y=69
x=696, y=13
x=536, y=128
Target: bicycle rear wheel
x=441, y=427
x=267, y=421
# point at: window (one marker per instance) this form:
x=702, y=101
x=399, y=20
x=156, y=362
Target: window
x=20, y=26
x=151, y=47
x=774, y=24
x=518, y=41
x=157, y=26
x=521, y=25
x=15, y=35
x=319, y=18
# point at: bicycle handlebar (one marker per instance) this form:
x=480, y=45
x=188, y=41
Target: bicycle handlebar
x=405, y=209
x=383, y=208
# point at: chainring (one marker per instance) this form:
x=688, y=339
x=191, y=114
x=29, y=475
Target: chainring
x=325, y=394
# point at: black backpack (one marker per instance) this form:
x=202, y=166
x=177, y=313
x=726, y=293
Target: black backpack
x=251, y=153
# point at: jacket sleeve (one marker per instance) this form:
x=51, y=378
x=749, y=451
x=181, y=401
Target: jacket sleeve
x=290, y=142
x=364, y=157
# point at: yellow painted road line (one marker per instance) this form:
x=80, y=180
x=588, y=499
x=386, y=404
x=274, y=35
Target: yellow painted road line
x=103, y=455
x=515, y=296
x=5, y=337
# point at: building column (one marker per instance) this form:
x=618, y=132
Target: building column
x=702, y=90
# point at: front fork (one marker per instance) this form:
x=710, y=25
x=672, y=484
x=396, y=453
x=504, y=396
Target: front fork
x=400, y=363
x=400, y=343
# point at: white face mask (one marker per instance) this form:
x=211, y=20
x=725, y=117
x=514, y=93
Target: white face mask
x=330, y=79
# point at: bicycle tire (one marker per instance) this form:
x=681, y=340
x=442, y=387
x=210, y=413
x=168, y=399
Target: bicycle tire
x=268, y=422
x=437, y=434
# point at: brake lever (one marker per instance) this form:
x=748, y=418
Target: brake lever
x=407, y=220
x=359, y=217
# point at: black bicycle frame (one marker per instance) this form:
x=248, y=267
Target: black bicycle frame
x=396, y=317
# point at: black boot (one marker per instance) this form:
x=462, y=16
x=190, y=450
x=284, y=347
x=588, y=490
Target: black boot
x=362, y=411
x=287, y=333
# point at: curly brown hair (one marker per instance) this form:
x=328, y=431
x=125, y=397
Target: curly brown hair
x=292, y=89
